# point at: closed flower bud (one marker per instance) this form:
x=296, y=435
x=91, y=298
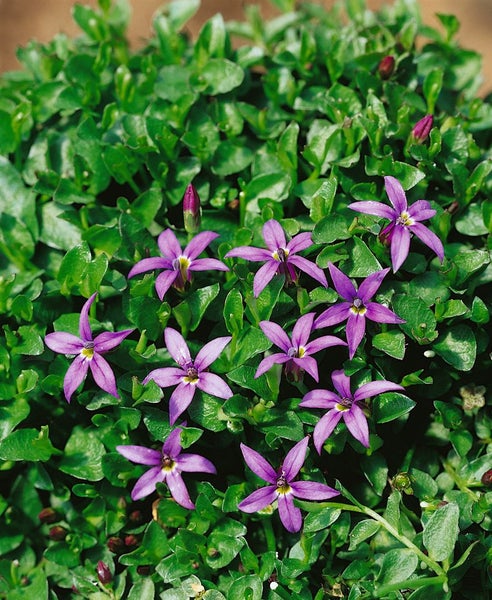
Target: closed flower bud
x=421, y=129
x=116, y=545
x=131, y=541
x=103, y=573
x=48, y=515
x=57, y=533
x=192, y=211
x=386, y=67
x=487, y=478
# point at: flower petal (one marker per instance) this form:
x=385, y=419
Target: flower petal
x=64, y=343
x=180, y=400
x=177, y=346
x=149, y=264
x=319, y=399
x=267, y=363
x=264, y=275
x=356, y=422
x=295, y=459
x=302, y=330
x=310, y=268
x=198, y=244
x=373, y=388
x=274, y=235
x=381, y=314
x=370, y=207
x=400, y=245
x=258, y=499
x=276, y=334
x=259, y=465
x=333, y=315
x=343, y=285
x=312, y=490
x=207, y=264
x=324, y=427
x=210, y=352
x=421, y=210
x=371, y=285
x=145, y=485
x=165, y=377
x=108, y=340
x=308, y=364
x=164, y=281
x=103, y=374
x=290, y=515
x=396, y=194
x=299, y=242
x=194, y=463
x=84, y=326
x=429, y=238
x=341, y=383
x=75, y=375
x=325, y=341
x=140, y=455
x=172, y=445
x=214, y=386
x=356, y=327
x=249, y=253
x=169, y=245
x=178, y=489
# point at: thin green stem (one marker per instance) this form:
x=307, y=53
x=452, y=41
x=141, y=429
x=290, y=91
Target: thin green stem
x=413, y=584
x=461, y=483
x=269, y=535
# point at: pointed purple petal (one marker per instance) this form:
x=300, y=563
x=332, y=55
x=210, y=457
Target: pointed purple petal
x=103, y=374
x=371, y=285
x=274, y=235
x=400, y=245
x=310, y=268
x=258, y=499
x=164, y=281
x=319, y=399
x=146, y=484
x=177, y=346
x=75, y=375
x=356, y=422
x=249, y=253
x=295, y=459
x=172, y=446
x=267, y=363
x=263, y=276
x=325, y=427
x=325, y=341
x=108, y=340
x=180, y=400
x=290, y=515
x=207, y=264
x=259, y=465
x=396, y=194
x=214, y=386
x=381, y=314
x=374, y=388
x=149, y=264
x=140, y=455
x=194, y=463
x=309, y=364
x=312, y=490
x=199, y=243
x=333, y=315
x=429, y=238
x=356, y=327
x=421, y=210
x=370, y=207
x=276, y=334
x=178, y=489
x=84, y=326
x=64, y=343
x=343, y=285
x=302, y=330
x=341, y=383
x=299, y=242
x=169, y=245
x=165, y=377
x=210, y=352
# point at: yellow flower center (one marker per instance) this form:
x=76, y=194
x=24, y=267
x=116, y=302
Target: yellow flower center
x=358, y=307
x=191, y=375
x=283, y=487
x=405, y=219
x=281, y=254
x=167, y=463
x=88, y=350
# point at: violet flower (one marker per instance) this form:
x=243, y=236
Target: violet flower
x=178, y=264
x=357, y=306
x=282, y=486
x=296, y=354
x=344, y=405
x=405, y=221
x=167, y=465
x=281, y=257
x=88, y=353
x=191, y=374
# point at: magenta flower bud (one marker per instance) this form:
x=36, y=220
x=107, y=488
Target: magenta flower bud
x=421, y=129
x=192, y=211
x=103, y=573
x=386, y=67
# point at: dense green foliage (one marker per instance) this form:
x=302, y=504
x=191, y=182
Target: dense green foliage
x=98, y=144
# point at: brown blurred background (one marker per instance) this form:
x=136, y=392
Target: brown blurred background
x=22, y=20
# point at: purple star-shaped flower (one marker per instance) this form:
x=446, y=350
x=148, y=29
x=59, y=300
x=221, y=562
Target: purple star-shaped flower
x=88, y=353
x=357, y=306
x=191, y=374
x=296, y=354
x=344, y=405
x=281, y=257
x=176, y=263
x=282, y=486
x=405, y=220
x=167, y=465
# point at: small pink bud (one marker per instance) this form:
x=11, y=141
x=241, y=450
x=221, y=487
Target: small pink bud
x=48, y=515
x=421, y=129
x=57, y=533
x=192, y=211
x=487, y=478
x=103, y=573
x=386, y=67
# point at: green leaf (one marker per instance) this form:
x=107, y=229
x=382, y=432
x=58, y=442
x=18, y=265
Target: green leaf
x=83, y=455
x=363, y=531
x=244, y=376
x=391, y=343
x=458, y=347
x=471, y=222
x=398, y=565
x=219, y=76
x=27, y=444
x=191, y=311
x=390, y=406
x=441, y=531
x=233, y=312
x=362, y=261
x=420, y=322
x=247, y=587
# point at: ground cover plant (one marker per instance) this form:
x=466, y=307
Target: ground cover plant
x=245, y=294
